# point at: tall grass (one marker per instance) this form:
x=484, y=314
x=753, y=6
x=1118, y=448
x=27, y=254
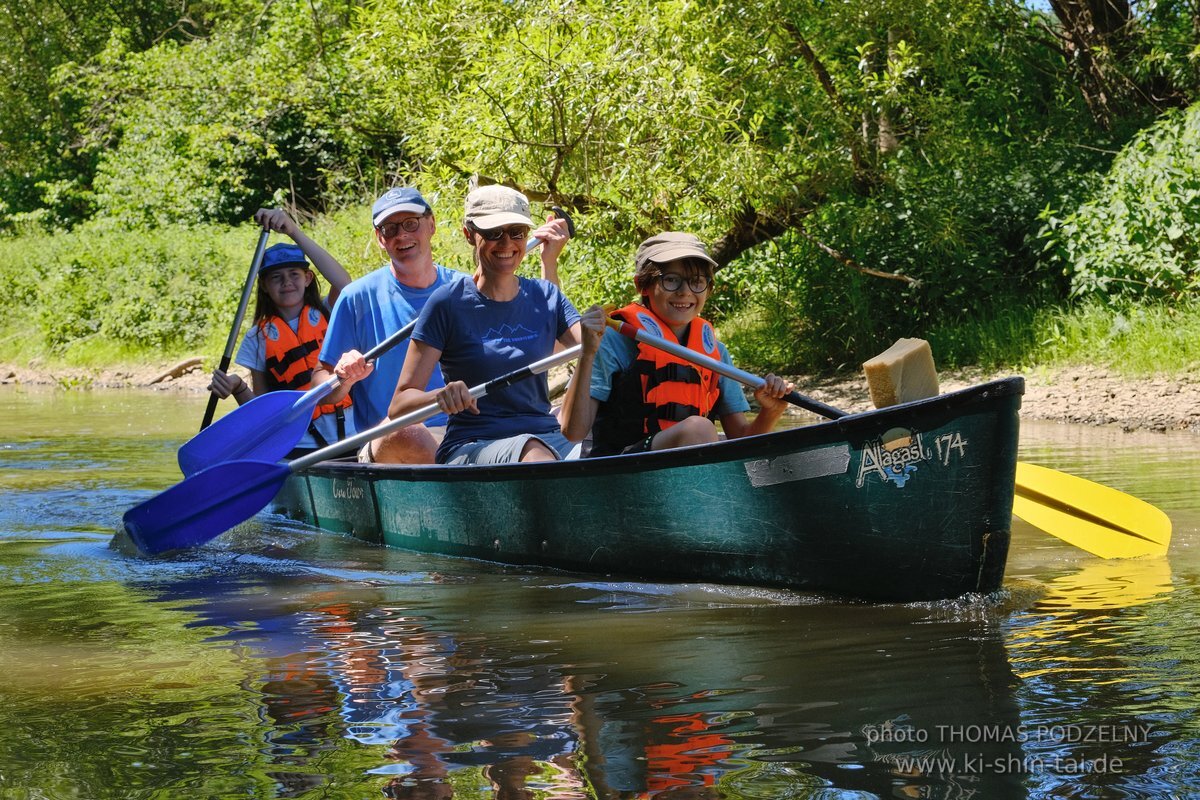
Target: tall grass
x=1134, y=340
x=97, y=296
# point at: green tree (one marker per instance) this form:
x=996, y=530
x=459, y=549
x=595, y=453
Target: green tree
x=43, y=171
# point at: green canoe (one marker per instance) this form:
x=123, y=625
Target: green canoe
x=913, y=502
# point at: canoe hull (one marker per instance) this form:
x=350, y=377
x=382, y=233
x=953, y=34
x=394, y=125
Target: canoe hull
x=905, y=504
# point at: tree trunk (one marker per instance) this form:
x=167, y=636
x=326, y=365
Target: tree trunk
x=1095, y=34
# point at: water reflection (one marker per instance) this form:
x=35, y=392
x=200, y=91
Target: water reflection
x=1095, y=657
x=279, y=662
x=714, y=694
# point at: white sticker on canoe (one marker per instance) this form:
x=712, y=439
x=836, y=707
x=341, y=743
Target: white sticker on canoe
x=817, y=463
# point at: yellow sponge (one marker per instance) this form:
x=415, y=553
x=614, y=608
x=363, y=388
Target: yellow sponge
x=902, y=373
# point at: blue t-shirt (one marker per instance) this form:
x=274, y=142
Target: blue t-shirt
x=368, y=311
x=617, y=354
x=253, y=355
x=482, y=339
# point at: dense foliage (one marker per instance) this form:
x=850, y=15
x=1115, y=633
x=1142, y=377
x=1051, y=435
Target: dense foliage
x=865, y=170
x=1137, y=233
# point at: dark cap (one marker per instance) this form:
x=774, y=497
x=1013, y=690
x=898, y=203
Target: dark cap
x=395, y=200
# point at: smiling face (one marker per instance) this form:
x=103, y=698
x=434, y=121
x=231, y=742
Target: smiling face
x=498, y=256
x=679, y=307
x=286, y=286
x=411, y=252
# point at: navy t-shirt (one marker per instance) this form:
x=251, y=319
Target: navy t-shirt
x=482, y=339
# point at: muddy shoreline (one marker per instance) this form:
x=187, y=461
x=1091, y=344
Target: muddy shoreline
x=1084, y=395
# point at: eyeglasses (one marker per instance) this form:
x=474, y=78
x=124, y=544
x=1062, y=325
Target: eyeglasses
x=515, y=232
x=408, y=224
x=673, y=282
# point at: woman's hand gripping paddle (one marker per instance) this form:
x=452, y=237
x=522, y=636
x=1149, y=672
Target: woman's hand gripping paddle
x=1093, y=517
x=215, y=499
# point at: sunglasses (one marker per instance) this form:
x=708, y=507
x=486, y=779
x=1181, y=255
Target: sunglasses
x=517, y=233
x=408, y=224
x=672, y=282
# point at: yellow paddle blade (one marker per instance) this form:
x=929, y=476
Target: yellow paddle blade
x=1093, y=517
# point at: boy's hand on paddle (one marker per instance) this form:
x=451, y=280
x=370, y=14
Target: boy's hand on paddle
x=591, y=327
x=352, y=367
x=770, y=395
x=455, y=397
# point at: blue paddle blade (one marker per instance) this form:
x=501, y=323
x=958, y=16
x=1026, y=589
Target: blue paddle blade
x=265, y=429
x=203, y=506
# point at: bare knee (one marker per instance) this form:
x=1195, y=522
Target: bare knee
x=411, y=445
x=536, y=450
x=691, y=431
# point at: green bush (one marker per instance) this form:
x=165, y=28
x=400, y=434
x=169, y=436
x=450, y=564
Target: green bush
x=164, y=292
x=1137, y=235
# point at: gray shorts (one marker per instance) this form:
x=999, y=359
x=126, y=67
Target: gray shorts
x=507, y=451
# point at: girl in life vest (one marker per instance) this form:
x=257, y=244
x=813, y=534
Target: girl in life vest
x=290, y=317
x=633, y=397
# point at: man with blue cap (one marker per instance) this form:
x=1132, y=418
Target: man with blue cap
x=382, y=302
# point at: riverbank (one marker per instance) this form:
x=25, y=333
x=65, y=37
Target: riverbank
x=1085, y=395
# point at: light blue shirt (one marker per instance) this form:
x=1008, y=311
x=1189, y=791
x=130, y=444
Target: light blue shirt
x=368, y=311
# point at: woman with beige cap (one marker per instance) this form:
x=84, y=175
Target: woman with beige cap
x=640, y=398
x=486, y=327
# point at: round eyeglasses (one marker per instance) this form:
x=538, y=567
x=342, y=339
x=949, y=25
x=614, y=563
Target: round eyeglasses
x=673, y=282
x=409, y=225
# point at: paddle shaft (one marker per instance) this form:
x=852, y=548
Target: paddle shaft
x=237, y=323
x=721, y=368
x=433, y=409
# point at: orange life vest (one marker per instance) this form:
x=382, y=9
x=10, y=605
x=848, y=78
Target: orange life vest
x=292, y=355
x=673, y=389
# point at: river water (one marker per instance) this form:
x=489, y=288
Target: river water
x=278, y=661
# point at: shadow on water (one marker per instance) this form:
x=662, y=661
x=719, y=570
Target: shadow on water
x=280, y=662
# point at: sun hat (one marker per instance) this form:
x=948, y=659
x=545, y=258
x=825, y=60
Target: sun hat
x=397, y=199
x=492, y=206
x=670, y=246
x=282, y=255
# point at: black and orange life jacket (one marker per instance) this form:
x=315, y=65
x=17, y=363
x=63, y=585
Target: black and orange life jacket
x=664, y=388
x=292, y=355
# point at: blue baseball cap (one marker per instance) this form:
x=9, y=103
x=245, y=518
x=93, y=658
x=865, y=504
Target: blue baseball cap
x=282, y=255
x=393, y=201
